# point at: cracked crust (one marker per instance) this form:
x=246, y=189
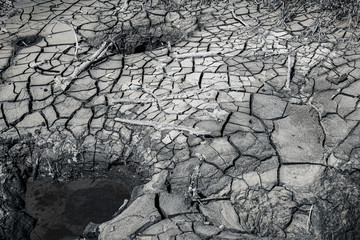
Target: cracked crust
x=242, y=129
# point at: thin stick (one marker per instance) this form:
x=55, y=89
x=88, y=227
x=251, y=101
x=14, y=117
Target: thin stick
x=169, y=45
x=38, y=64
x=213, y=198
x=309, y=218
x=163, y=126
x=121, y=208
x=2, y=29
x=98, y=54
x=197, y=55
x=158, y=101
x=35, y=169
x=189, y=94
x=239, y=19
x=130, y=101
x=288, y=79
x=76, y=39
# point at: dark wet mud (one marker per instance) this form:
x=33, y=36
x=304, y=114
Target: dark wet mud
x=64, y=209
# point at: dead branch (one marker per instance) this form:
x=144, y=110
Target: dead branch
x=2, y=29
x=158, y=101
x=97, y=55
x=189, y=94
x=38, y=64
x=130, y=101
x=213, y=199
x=197, y=54
x=309, y=217
x=163, y=126
x=121, y=208
x=288, y=79
x=239, y=19
x=76, y=39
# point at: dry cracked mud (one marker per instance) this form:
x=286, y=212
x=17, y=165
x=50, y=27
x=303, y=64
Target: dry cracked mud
x=240, y=127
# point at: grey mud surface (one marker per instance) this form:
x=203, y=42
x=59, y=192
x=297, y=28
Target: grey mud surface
x=242, y=129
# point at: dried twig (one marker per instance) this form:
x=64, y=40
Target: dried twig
x=2, y=29
x=239, y=19
x=76, y=39
x=197, y=54
x=189, y=94
x=163, y=126
x=38, y=64
x=185, y=95
x=97, y=55
x=121, y=208
x=35, y=168
x=213, y=199
x=309, y=218
x=319, y=112
x=288, y=79
x=169, y=45
x=158, y=101
x=130, y=101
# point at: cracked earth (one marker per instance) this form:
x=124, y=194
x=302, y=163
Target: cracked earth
x=242, y=129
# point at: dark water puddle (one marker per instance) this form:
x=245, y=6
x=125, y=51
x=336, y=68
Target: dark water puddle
x=64, y=209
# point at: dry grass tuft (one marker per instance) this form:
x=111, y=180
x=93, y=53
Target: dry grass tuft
x=329, y=10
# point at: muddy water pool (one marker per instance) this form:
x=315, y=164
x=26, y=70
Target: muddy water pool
x=63, y=209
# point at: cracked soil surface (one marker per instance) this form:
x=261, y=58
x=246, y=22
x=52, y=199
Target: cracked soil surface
x=241, y=128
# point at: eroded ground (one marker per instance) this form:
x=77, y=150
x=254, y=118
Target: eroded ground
x=244, y=129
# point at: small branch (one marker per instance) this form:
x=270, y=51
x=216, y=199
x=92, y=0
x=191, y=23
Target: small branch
x=38, y=64
x=309, y=218
x=239, y=19
x=97, y=55
x=169, y=45
x=197, y=54
x=76, y=39
x=158, y=101
x=2, y=29
x=288, y=79
x=213, y=199
x=35, y=169
x=130, y=101
x=121, y=208
x=314, y=107
x=189, y=94
x=163, y=126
